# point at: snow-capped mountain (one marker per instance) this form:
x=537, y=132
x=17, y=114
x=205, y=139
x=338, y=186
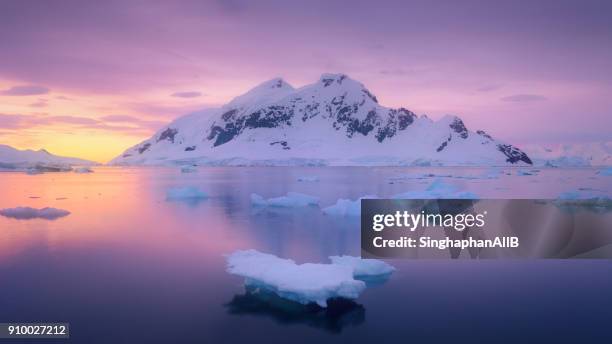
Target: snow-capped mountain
x=335, y=121
x=565, y=155
x=15, y=159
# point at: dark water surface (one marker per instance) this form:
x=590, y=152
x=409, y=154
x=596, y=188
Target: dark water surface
x=126, y=266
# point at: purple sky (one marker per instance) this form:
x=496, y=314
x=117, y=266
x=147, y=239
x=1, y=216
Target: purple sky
x=525, y=71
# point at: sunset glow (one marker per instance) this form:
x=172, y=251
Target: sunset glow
x=90, y=80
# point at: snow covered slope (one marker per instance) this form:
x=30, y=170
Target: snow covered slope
x=335, y=121
x=11, y=159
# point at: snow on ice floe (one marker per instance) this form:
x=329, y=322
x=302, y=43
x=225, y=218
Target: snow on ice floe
x=27, y=213
x=185, y=193
x=83, y=170
x=308, y=179
x=438, y=189
x=363, y=267
x=302, y=283
x=347, y=207
x=291, y=200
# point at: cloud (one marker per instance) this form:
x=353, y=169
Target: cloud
x=25, y=90
x=127, y=124
x=120, y=118
x=489, y=88
x=523, y=98
x=395, y=72
x=186, y=94
x=11, y=121
x=133, y=120
x=39, y=103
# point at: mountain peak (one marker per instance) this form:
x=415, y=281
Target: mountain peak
x=274, y=83
x=335, y=120
x=267, y=91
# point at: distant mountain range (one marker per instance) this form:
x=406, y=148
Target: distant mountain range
x=15, y=159
x=564, y=155
x=335, y=121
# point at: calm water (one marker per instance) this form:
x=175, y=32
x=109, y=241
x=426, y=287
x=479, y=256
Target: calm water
x=128, y=267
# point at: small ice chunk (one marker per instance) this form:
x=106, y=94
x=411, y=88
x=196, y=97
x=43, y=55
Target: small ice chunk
x=363, y=267
x=258, y=200
x=525, y=173
x=438, y=190
x=606, y=171
x=303, y=283
x=185, y=193
x=83, y=170
x=188, y=169
x=33, y=171
x=308, y=179
x=582, y=195
x=347, y=207
x=292, y=200
x=27, y=213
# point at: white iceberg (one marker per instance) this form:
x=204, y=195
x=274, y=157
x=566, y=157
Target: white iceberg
x=438, y=190
x=185, y=193
x=303, y=283
x=27, y=213
x=292, y=200
x=347, y=207
x=363, y=267
x=308, y=179
x=83, y=170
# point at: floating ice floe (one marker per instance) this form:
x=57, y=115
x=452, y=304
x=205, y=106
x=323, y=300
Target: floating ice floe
x=308, y=179
x=585, y=198
x=27, y=213
x=438, y=189
x=606, y=171
x=188, y=169
x=83, y=170
x=527, y=172
x=302, y=283
x=33, y=171
x=292, y=200
x=185, y=193
x=492, y=173
x=583, y=194
x=347, y=207
x=363, y=267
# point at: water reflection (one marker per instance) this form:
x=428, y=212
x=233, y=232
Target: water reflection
x=339, y=313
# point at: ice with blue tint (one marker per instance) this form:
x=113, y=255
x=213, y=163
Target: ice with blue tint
x=606, y=172
x=303, y=283
x=363, y=267
x=188, y=169
x=438, y=189
x=83, y=170
x=583, y=194
x=291, y=200
x=185, y=193
x=347, y=207
x=526, y=172
x=308, y=179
